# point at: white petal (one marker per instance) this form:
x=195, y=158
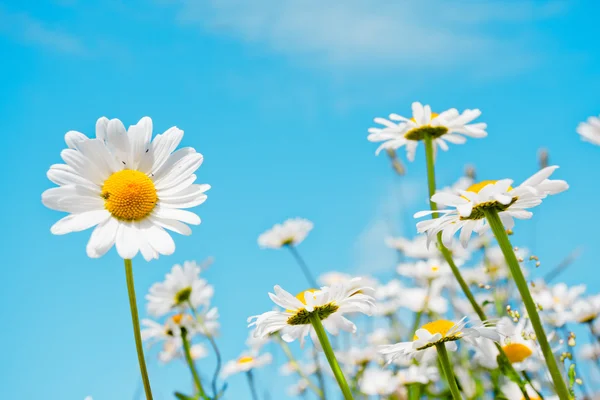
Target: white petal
x=79, y=222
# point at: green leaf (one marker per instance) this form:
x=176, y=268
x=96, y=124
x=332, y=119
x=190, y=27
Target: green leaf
x=181, y=396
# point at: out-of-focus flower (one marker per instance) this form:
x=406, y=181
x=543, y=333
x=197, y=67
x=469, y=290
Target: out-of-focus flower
x=448, y=126
x=291, y=233
x=128, y=186
x=181, y=287
x=378, y=382
x=557, y=301
x=586, y=310
x=329, y=303
x=245, y=363
x=590, y=130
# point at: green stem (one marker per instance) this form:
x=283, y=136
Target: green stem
x=250, y=377
x=296, y=366
x=190, y=361
x=448, y=257
x=135, y=319
x=447, y=367
x=333, y=363
x=213, y=344
x=309, y=277
x=414, y=391
x=528, y=379
x=500, y=233
x=419, y=315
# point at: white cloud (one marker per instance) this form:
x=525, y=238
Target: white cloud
x=391, y=217
x=24, y=28
x=432, y=33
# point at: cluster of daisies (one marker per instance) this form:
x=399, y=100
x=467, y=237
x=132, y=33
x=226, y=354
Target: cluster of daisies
x=459, y=316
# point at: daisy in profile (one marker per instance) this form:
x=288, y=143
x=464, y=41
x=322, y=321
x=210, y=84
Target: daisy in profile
x=438, y=333
x=586, y=310
x=169, y=335
x=245, y=363
x=448, y=126
x=328, y=303
x=181, y=288
x=291, y=232
x=128, y=186
x=590, y=130
x=468, y=210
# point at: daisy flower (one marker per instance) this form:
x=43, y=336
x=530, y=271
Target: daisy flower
x=291, y=233
x=169, y=334
x=417, y=248
x=512, y=392
x=448, y=126
x=590, y=130
x=468, y=212
x=440, y=332
x=425, y=271
x=378, y=382
x=586, y=310
x=329, y=303
x=130, y=187
x=590, y=352
x=245, y=363
x=557, y=301
x=181, y=287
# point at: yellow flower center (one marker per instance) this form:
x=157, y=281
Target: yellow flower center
x=245, y=360
x=420, y=132
x=517, y=352
x=177, y=318
x=441, y=326
x=435, y=268
x=300, y=296
x=129, y=195
x=433, y=115
x=302, y=317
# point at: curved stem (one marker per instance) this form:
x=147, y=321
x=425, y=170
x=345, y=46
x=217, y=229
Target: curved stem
x=500, y=233
x=447, y=367
x=333, y=363
x=190, y=361
x=213, y=344
x=250, y=377
x=135, y=319
x=448, y=258
x=296, y=366
x=309, y=277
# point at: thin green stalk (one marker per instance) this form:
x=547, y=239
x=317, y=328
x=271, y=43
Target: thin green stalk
x=447, y=367
x=213, y=344
x=333, y=363
x=296, y=366
x=500, y=233
x=250, y=377
x=528, y=379
x=309, y=277
x=135, y=319
x=419, y=315
x=190, y=361
x=448, y=257
x=414, y=391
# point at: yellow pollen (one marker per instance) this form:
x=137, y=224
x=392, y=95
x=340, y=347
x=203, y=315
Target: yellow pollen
x=433, y=115
x=435, y=268
x=245, y=360
x=129, y=195
x=177, y=318
x=516, y=352
x=300, y=296
x=441, y=326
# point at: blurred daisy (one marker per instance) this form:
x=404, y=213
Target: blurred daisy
x=169, y=334
x=468, y=209
x=557, y=301
x=418, y=374
x=512, y=392
x=425, y=271
x=448, y=126
x=417, y=248
x=291, y=233
x=181, y=287
x=245, y=363
x=586, y=310
x=590, y=130
x=130, y=187
x=329, y=303
x=378, y=382
x=590, y=352
x=419, y=299
x=440, y=332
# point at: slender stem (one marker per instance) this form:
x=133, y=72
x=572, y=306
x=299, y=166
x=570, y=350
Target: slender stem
x=528, y=379
x=333, y=363
x=447, y=367
x=583, y=387
x=190, y=361
x=500, y=233
x=309, y=277
x=419, y=315
x=296, y=366
x=135, y=319
x=213, y=344
x=250, y=377
x=448, y=257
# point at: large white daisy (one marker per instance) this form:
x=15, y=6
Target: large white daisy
x=448, y=126
x=468, y=209
x=590, y=130
x=329, y=303
x=130, y=187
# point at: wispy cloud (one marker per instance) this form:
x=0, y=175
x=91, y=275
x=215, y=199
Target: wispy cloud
x=27, y=29
x=380, y=33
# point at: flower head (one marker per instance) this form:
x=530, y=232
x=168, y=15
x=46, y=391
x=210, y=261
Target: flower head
x=245, y=363
x=468, y=212
x=590, y=130
x=328, y=303
x=440, y=332
x=130, y=187
x=378, y=382
x=291, y=233
x=448, y=126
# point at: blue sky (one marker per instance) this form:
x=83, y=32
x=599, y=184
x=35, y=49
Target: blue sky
x=278, y=96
